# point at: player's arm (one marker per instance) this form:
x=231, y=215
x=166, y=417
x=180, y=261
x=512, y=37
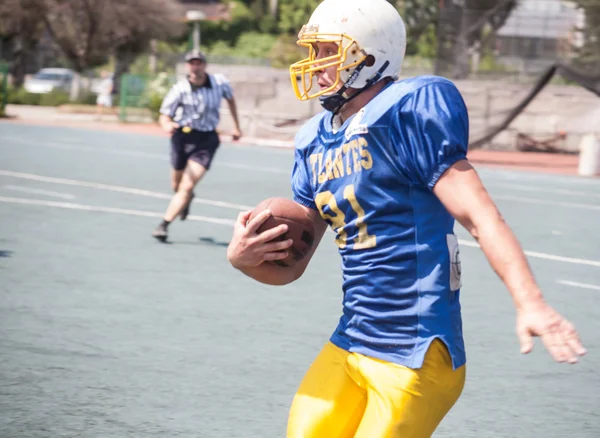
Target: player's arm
x=167, y=110
x=228, y=95
x=437, y=116
x=464, y=196
x=237, y=132
x=248, y=250
x=167, y=123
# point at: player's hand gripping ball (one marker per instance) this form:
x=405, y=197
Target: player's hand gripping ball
x=300, y=227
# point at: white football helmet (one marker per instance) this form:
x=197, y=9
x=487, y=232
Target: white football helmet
x=359, y=28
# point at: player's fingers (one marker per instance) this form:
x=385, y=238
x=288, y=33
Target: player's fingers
x=561, y=336
x=555, y=346
x=571, y=339
x=272, y=233
x=258, y=220
x=278, y=246
x=576, y=348
x=243, y=217
x=279, y=255
x=525, y=340
x=572, y=356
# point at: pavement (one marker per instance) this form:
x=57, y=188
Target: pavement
x=48, y=116
x=105, y=332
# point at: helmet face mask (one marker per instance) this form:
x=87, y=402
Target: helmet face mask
x=359, y=30
x=348, y=56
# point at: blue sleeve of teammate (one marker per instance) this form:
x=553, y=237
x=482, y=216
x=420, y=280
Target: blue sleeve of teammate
x=301, y=187
x=433, y=128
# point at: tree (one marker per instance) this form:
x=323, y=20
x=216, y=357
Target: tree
x=293, y=14
x=461, y=28
x=21, y=27
x=589, y=54
x=273, y=7
x=81, y=28
x=89, y=31
x=419, y=16
x=135, y=24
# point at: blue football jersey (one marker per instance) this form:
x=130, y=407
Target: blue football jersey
x=372, y=181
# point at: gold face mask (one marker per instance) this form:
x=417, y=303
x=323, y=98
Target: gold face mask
x=302, y=73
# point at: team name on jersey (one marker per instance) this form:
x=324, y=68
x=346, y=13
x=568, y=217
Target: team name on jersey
x=351, y=157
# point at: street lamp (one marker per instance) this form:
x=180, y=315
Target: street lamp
x=195, y=17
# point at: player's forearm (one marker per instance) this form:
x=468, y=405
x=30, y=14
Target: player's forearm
x=506, y=257
x=271, y=274
x=234, y=113
x=165, y=120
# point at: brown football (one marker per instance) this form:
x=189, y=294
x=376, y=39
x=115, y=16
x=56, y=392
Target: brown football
x=300, y=227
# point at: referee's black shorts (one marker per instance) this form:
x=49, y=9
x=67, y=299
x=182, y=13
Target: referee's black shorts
x=198, y=146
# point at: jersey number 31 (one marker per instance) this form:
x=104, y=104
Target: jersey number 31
x=337, y=218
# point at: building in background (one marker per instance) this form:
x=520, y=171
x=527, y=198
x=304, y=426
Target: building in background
x=538, y=33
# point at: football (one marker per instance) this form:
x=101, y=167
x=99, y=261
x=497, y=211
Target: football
x=300, y=227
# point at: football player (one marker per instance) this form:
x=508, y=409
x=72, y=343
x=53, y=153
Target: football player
x=385, y=166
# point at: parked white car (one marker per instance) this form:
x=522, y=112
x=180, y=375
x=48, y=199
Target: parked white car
x=49, y=79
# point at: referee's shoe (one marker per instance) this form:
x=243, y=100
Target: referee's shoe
x=160, y=233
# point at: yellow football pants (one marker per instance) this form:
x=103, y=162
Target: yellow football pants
x=346, y=395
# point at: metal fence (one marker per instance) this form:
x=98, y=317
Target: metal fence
x=517, y=40
x=3, y=88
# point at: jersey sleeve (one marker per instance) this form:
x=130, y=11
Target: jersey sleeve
x=433, y=124
x=171, y=102
x=301, y=187
x=226, y=89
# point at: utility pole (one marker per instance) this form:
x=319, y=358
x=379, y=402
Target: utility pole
x=195, y=17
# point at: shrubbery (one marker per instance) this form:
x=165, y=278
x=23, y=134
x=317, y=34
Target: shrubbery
x=19, y=96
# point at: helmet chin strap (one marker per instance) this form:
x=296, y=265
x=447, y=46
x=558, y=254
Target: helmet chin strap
x=335, y=102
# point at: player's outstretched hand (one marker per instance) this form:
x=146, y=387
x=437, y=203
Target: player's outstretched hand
x=557, y=334
x=249, y=249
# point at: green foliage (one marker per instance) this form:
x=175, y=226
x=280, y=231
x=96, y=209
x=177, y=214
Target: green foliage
x=18, y=96
x=249, y=46
x=276, y=39
x=240, y=11
x=426, y=47
x=293, y=14
x=268, y=24
x=286, y=52
x=242, y=21
x=253, y=34
x=255, y=45
x=490, y=65
x=149, y=93
x=160, y=85
x=54, y=98
x=86, y=98
x=154, y=102
x=221, y=48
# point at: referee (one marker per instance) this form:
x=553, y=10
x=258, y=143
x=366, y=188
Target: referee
x=190, y=113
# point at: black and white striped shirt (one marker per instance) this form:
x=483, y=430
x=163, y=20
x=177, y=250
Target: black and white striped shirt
x=197, y=107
